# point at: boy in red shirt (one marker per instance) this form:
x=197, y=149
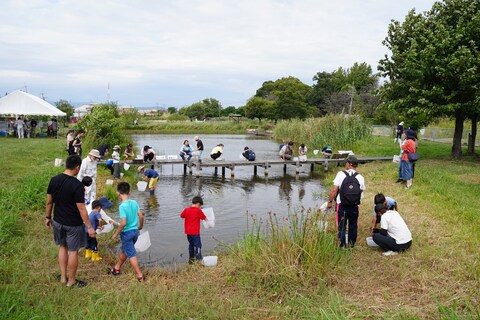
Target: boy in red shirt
x=192, y=216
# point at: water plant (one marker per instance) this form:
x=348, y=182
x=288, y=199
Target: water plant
x=338, y=131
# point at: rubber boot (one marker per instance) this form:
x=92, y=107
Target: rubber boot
x=152, y=192
x=95, y=256
x=88, y=254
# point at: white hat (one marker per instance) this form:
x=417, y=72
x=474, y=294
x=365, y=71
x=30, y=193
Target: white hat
x=195, y=138
x=116, y=147
x=94, y=153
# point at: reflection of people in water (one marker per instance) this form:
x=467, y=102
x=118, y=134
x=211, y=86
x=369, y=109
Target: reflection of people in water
x=153, y=203
x=285, y=189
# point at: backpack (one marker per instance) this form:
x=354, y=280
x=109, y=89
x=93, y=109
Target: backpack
x=350, y=191
x=250, y=155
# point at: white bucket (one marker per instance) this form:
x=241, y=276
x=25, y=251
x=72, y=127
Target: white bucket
x=324, y=206
x=295, y=158
x=126, y=166
x=210, y=216
x=315, y=152
x=302, y=158
x=371, y=243
x=142, y=185
x=396, y=159
x=210, y=261
x=109, y=181
x=143, y=241
x=58, y=162
x=106, y=229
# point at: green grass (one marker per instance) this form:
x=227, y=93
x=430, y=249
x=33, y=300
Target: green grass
x=282, y=269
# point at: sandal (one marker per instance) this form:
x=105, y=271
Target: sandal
x=78, y=283
x=114, y=271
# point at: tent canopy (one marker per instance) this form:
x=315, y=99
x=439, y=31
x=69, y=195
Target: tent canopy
x=19, y=102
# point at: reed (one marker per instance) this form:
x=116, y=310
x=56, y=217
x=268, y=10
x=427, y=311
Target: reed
x=338, y=131
x=284, y=251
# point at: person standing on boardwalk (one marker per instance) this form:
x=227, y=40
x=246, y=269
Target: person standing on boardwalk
x=199, y=148
x=65, y=195
x=347, y=190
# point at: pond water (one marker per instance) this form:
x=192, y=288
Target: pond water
x=230, y=198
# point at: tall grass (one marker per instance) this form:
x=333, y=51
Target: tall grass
x=338, y=131
x=278, y=253
x=209, y=127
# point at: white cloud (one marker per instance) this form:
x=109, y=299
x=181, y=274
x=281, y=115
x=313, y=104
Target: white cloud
x=227, y=47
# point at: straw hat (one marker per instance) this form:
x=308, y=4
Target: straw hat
x=117, y=147
x=94, y=153
x=141, y=169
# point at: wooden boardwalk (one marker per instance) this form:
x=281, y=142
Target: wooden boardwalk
x=193, y=166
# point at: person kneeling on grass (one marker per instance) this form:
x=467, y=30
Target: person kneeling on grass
x=394, y=235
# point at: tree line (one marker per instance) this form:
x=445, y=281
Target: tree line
x=432, y=71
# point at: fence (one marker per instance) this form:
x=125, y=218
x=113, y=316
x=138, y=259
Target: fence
x=444, y=135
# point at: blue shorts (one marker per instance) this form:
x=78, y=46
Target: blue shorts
x=128, y=242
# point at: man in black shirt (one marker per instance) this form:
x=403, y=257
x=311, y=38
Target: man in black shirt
x=69, y=215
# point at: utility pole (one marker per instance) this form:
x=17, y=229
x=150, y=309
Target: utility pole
x=351, y=98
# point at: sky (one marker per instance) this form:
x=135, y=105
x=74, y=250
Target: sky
x=177, y=52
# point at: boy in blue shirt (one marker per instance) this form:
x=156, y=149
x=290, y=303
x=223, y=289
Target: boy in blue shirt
x=151, y=176
x=132, y=222
x=96, y=221
x=389, y=203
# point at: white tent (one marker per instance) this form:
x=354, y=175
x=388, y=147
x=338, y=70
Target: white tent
x=22, y=103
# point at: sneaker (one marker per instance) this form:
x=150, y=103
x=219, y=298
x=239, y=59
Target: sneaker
x=390, y=253
x=399, y=181
x=408, y=187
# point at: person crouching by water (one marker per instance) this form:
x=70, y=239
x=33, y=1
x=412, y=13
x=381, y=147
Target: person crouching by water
x=148, y=153
x=393, y=235
x=186, y=151
x=192, y=216
x=248, y=154
x=151, y=176
x=217, y=152
x=286, y=152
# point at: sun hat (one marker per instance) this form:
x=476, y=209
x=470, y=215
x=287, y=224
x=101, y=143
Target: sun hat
x=141, y=168
x=105, y=203
x=116, y=147
x=195, y=138
x=94, y=153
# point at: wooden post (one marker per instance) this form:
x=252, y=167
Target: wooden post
x=216, y=170
x=232, y=170
x=197, y=171
x=223, y=171
x=254, y=170
x=325, y=166
x=266, y=168
x=184, y=168
x=312, y=166
x=285, y=168
x=297, y=167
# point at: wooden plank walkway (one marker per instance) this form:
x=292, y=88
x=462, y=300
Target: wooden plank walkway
x=194, y=166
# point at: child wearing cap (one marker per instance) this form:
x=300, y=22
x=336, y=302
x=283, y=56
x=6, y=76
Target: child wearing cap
x=192, y=216
x=116, y=162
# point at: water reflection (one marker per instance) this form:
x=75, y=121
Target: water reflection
x=231, y=199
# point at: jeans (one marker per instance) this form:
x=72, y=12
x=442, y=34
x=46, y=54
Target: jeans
x=194, y=247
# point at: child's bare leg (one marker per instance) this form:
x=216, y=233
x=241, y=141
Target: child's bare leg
x=136, y=268
x=121, y=260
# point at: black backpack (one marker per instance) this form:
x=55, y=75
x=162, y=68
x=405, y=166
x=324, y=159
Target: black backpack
x=71, y=148
x=350, y=192
x=250, y=155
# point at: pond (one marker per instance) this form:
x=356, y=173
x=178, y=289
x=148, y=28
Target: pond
x=230, y=198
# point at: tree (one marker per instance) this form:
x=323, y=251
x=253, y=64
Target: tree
x=103, y=125
x=289, y=97
x=334, y=92
x=434, y=67
x=66, y=107
x=213, y=107
x=171, y=110
x=257, y=107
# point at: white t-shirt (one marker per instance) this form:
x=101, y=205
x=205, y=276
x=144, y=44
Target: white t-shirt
x=396, y=227
x=339, y=180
